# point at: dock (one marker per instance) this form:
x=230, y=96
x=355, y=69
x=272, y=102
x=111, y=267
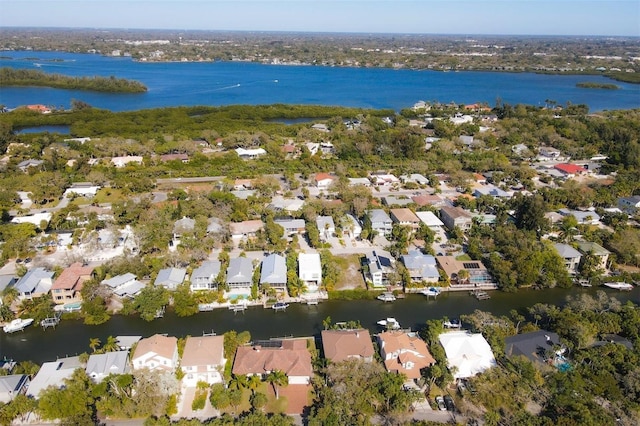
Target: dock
x=51, y=322
x=481, y=295
x=240, y=307
x=313, y=301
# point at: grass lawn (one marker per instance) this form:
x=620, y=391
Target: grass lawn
x=350, y=274
x=109, y=195
x=463, y=257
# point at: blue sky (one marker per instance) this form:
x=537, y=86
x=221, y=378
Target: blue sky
x=535, y=17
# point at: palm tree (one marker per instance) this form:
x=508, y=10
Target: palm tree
x=277, y=378
x=253, y=383
x=238, y=382
x=110, y=345
x=94, y=343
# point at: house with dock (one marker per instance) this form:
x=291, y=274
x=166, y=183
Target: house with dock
x=100, y=366
x=310, y=270
x=157, y=352
x=35, y=283
x=203, y=360
x=421, y=267
x=342, y=345
x=404, y=353
x=67, y=287
x=170, y=278
x=125, y=285
x=204, y=277
x=273, y=273
x=239, y=275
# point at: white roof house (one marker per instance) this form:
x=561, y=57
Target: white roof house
x=123, y=161
x=100, y=366
x=421, y=267
x=469, y=353
x=326, y=226
x=51, y=374
x=203, y=278
x=170, y=278
x=310, y=269
x=124, y=285
x=35, y=219
x=351, y=225
x=34, y=283
x=250, y=153
x=430, y=219
x=274, y=271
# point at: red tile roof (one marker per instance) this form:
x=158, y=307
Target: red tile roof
x=570, y=169
x=73, y=277
x=292, y=358
x=323, y=176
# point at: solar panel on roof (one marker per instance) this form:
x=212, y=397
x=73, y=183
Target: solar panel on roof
x=471, y=265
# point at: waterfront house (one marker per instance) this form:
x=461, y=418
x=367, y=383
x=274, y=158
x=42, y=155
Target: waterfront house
x=6, y=281
x=421, y=267
x=203, y=360
x=120, y=162
x=52, y=374
x=326, y=227
x=478, y=276
x=630, y=205
x=246, y=229
x=310, y=270
x=453, y=217
x=404, y=353
x=204, y=277
x=170, y=278
x=13, y=385
x=292, y=226
x=380, y=264
x=380, y=221
x=594, y=249
x=570, y=255
x=100, y=366
x=289, y=356
x=341, y=345
x=467, y=353
x=35, y=283
x=125, y=285
x=273, y=272
x=157, y=352
x=324, y=180
x=239, y=274
x=67, y=287
x=537, y=346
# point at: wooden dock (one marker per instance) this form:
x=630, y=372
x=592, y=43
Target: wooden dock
x=51, y=322
x=240, y=307
x=481, y=295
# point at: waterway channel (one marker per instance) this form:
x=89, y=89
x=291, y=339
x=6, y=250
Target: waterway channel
x=71, y=337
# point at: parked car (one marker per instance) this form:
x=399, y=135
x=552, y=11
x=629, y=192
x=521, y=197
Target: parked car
x=448, y=401
x=462, y=386
x=440, y=401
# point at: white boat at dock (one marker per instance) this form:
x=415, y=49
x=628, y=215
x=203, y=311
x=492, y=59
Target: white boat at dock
x=431, y=291
x=387, y=296
x=389, y=324
x=17, y=325
x=280, y=306
x=453, y=323
x=619, y=286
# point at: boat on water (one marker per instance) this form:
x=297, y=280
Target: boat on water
x=17, y=325
x=452, y=323
x=389, y=324
x=619, y=286
x=387, y=296
x=584, y=283
x=431, y=291
x=280, y=306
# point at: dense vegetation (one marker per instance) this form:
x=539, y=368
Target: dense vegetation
x=592, y=85
x=23, y=77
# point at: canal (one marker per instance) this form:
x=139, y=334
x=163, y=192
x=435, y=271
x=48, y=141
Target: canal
x=71, y=337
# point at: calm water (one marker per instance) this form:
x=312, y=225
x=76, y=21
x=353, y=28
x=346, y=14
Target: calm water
x=51, y=129
x=225, y=83
x=72, y=337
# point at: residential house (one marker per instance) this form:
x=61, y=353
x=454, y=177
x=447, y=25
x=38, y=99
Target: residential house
x=170, y=278
x=384, y=179
x=324, y=180
x=570, y=170
x=157, y=352
x=468, y=354
x=404, y=353
x=53, y=374
x=274, y=272
x=242, y=184
x=549, y=152
x=83, y=189
x=594, y=249
x=203, y=360
x=250, y=154
x=416, y=178
x=428, y=200
x=204, y=277
x=37, y=219
x=6, y=281
x=13, y=385
x=570, y=255
x=453, y=217
x=181, y=157
x=100, y=366
x=126, y=285
x=630, y=205
x=246, y=229
x=66, y=288
x=292, y=226
x=35, y=283
x=351, y=226
x=289, y=356
x=120, y=162
x=25, y=165
x=289, y=205
x=421, y=267
x=359, y=182
x=310, y=270
x=396, y=200
x=430, y=220
x=326, y=226
x=341, y=345
x=537, y=346
x=181, y=227
x=380, y=222
x=380, y=266
x=478, y=276
x=492, y=191
x=584, y=218
x=240, y=273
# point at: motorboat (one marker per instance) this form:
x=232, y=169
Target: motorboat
x=387, y=297
x=389, y=324
x=619, y=286
x=280, y=306
x=453, y=323
x=17, y=325
x=431, y=291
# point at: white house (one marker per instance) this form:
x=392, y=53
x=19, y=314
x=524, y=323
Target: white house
x=157, y=352
x=36, y=282
x=204, y=277
x=351, y=226
x=469, y=353
x=203, y=360
x=125, y=285
x=310, y=270
x=324, y=180
x=326, y=226
x=249, y=154
x=120, y=162
x=100, y=366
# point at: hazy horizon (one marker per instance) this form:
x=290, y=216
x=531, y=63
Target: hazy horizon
x=589, y=18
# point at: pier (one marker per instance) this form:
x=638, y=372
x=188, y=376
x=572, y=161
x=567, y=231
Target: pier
x=51, y=321
x=240, y=307
x=480, y=295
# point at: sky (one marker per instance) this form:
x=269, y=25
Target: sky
x=508, y=17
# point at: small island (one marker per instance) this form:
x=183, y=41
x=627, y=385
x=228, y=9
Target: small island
x=592, y=85
x=22, y=77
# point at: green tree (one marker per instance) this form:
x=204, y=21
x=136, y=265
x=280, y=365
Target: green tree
x=185, y=303
x=277, y=378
